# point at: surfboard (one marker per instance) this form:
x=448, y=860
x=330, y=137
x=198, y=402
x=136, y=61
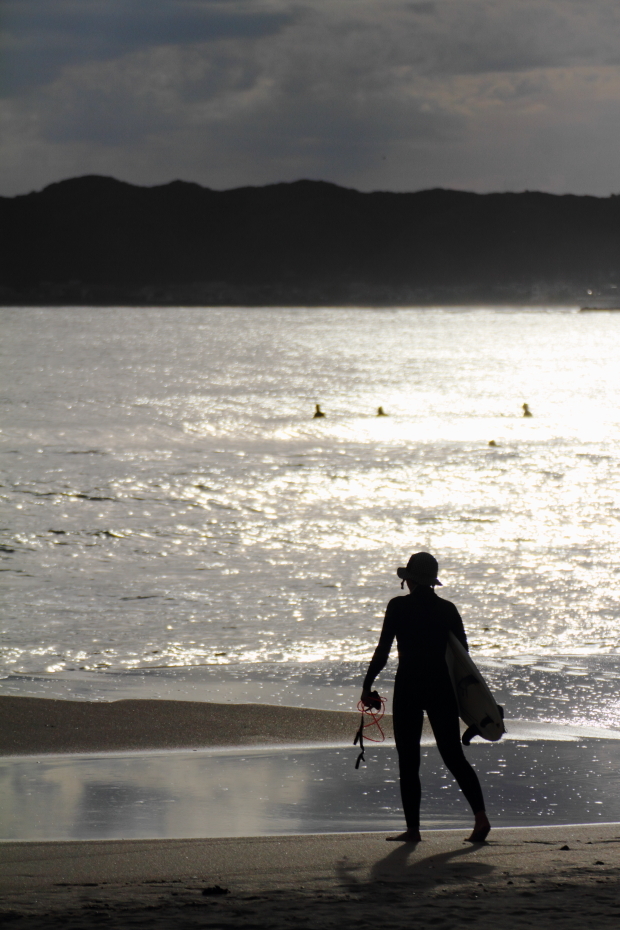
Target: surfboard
x=477, y=706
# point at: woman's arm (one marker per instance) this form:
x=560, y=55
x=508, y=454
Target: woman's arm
x=382, y=652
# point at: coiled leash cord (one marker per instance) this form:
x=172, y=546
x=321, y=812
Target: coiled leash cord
x=375, y=712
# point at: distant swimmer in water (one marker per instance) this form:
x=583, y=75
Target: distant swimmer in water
x=526, y=411
x=317, y=412
x=381, y=412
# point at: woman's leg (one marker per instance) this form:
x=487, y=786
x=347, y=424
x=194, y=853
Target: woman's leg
x=443, y=717
x=408, y=715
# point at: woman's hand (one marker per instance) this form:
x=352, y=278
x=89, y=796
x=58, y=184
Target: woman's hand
x=367, y=698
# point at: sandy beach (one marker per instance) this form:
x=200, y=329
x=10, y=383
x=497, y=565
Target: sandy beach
x=563, y=877
x=522, y=877
x=43, y=725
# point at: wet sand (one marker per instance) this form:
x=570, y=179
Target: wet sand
x=44, y=725
x=519, y=878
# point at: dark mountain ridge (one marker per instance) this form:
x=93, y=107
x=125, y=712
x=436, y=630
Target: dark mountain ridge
x=96, y=239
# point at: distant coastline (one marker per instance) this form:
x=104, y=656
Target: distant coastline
x=600, y=309
x=98, y=241
x=59, y=294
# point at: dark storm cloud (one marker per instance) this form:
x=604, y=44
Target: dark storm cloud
x=44, y=36
x=393, y=94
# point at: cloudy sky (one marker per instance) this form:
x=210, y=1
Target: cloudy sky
x=480, y=95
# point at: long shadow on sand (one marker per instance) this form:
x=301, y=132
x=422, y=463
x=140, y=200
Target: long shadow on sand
x=420, y=875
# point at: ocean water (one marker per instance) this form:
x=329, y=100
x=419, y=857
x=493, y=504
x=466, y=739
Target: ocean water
x=171, y=503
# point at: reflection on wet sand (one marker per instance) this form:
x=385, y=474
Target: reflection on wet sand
x=251, y=792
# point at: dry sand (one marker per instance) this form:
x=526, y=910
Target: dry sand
x=519, y=878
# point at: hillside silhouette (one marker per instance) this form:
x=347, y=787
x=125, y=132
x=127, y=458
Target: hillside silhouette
x=98, y=240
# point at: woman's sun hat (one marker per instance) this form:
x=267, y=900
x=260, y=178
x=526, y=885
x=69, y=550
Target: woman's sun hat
x=421, y=568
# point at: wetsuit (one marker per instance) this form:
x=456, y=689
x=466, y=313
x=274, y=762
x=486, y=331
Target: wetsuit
x=420, y=622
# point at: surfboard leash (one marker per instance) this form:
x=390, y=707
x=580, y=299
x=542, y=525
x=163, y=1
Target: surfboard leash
x=376, y=713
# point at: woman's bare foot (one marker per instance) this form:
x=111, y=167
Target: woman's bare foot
x=409, y=836
x=481, y=829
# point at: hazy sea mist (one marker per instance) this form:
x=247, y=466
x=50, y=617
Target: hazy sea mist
x=171, y=501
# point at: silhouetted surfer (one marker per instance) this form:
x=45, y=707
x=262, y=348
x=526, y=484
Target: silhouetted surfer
x=381, y=412
x=526, y=411
x=317, y=412
x=420, y=623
